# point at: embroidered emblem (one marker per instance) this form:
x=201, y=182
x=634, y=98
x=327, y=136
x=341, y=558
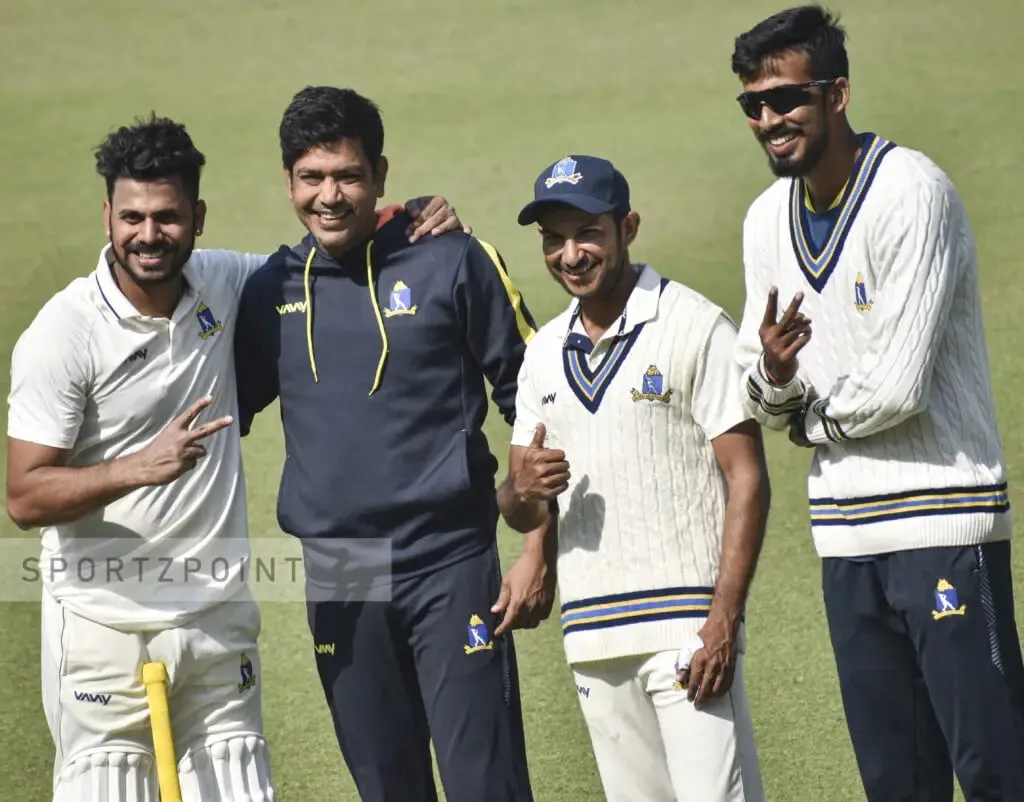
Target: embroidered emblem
x=652, y=387
x=860, y=294
x=479, y=639
x=208, y=324
x=946, y=601
x=564, y=172
x=248, y=674
x=400, y=301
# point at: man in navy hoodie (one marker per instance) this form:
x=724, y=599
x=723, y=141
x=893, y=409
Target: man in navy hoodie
x=378, y=351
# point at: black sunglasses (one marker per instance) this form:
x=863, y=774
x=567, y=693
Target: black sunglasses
x=780, y=99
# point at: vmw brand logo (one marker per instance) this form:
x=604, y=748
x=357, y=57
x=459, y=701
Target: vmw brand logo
x=140, y=354
x=287, y=309
x=324, y=648
x=102, y=698
x=547, y=399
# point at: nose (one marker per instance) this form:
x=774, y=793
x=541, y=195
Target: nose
x=769, y=118
x=571, y=253
x=331, y=193
x=149, y=231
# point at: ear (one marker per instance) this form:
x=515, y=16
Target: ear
x=840, y=95
x=288, y=183
x=630, y=228
x=380, y=176
x=107, y=212
x=200, y=217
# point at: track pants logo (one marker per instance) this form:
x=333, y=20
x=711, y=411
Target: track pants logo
x=102, y=698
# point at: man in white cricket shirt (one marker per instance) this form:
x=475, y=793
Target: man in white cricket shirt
x=662, y=516
x=908, y=496
x=142, y=505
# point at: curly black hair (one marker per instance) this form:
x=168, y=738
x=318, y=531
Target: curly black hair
x=149, y=150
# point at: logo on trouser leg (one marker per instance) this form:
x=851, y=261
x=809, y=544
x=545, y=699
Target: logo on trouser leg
x=479, y=638
x=99, y=698
x=248, y=674
x=946, y=601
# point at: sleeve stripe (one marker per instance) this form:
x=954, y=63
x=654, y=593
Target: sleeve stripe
x=756, y=395
x=526, y=331
x=833, y=431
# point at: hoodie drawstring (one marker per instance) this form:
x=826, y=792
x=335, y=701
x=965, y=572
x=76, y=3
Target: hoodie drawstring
x=376, y=311
x=309, y=313
x=380, y=320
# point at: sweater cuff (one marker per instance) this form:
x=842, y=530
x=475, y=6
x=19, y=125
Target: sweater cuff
x=819, y=428
x=775, y=399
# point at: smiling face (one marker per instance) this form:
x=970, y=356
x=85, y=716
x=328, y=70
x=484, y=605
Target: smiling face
x=791, y=114
x=334, y=190
x=152, y=226
x=588, y=254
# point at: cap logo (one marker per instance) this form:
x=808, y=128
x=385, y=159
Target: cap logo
x=564, y=172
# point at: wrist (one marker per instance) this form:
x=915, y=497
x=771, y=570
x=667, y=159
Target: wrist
x=772, y=375
x=726, y=611
x=130, y=472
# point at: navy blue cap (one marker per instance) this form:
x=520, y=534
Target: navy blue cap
x=586, y=182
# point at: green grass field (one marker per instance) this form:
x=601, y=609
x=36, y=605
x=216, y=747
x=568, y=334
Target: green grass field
x=477, y=97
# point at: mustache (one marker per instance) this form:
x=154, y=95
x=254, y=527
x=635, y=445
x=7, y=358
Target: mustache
x=581, y=266
x=144, y=248
x=778, y=130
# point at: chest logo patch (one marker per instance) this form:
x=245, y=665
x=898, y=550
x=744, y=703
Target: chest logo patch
x=652, y=387
x=400, y=301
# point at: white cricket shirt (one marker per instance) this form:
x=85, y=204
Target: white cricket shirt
x=93, y=376
x=907, y=451
x=640, y=526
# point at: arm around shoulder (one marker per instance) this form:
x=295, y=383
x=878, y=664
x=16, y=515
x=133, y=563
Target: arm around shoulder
x=498, y=324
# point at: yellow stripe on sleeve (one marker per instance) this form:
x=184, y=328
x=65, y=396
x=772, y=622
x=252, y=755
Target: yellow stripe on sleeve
x=525, y=330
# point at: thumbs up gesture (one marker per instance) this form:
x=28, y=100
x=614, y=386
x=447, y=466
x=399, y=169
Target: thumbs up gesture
x=544, y=472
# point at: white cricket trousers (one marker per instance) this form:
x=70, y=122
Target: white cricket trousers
x=95, y=704
x=653, y=745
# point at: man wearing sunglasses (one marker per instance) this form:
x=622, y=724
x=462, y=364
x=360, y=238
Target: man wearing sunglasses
x=908, y=495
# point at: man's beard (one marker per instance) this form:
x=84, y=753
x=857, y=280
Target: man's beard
x=143, y=277
x=800, y=168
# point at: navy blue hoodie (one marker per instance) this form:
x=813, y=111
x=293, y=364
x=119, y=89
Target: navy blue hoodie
x=379, y=362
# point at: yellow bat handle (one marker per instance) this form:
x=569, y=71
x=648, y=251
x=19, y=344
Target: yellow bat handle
x=154, y=677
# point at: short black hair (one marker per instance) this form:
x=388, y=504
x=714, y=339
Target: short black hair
x=809, y=29
x=157, y=148
x=321, y=115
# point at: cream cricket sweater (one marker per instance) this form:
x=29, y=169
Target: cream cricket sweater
x=895, y=378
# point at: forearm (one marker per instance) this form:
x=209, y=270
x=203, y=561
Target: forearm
x=746, y=516
x=523, y=515
x=46, y=496
x=542, y=540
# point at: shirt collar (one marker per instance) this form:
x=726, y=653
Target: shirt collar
x=641, y=307
x=113, y=299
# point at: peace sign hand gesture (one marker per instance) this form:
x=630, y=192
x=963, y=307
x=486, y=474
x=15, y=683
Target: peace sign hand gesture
x=176, y=450
x=783, y=338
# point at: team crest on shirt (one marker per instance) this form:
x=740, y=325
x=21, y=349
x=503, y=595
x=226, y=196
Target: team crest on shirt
x=564, y=172
x=400, y=301
x=946, y=601
x=248, y=674
x=208, y=323
x=860, y=295
x=652, y=387
x=479, y=639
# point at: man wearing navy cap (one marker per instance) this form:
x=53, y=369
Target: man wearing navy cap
x=662, y=516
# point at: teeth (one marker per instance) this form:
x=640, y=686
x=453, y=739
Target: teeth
x=782, y=140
